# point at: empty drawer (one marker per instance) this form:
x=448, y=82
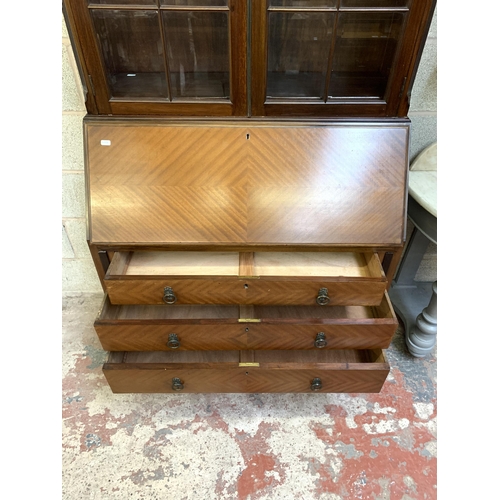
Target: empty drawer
x=261, y=278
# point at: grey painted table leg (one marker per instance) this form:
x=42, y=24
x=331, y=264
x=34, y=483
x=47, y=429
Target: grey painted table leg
x=422, y=336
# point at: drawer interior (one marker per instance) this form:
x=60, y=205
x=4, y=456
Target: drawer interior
x=311, y=264
x=348, y=313
x=156, y=312
x=246, y=264
x=261, y=359
x=234, y=313
x=183, y=263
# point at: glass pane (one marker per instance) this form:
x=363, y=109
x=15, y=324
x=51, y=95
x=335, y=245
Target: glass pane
x=365, y=46
x=196, y=3
x=373, y=3
x=298, y=49
x=198, y=53
x=303, y=3
x=132, y=51
x=122, y=2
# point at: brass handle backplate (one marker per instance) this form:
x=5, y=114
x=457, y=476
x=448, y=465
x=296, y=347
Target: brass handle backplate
x=320, y=341
x=169, y=296
x=322, y=299
x=177, y=384
x=173, y=341
x=316, y=384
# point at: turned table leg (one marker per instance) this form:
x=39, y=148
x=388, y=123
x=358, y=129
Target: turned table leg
x=422, y=336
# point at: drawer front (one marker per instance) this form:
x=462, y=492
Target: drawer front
x=171, y=337
x=351, y=336
x=286, y=278
x=180, y=291
x=181, y=328
x=149, y=337
x=245, y=380
x=241, y=291
x=273, y=373
x=144, y=380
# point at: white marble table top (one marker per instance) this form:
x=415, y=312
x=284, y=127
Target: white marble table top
x=423, y=179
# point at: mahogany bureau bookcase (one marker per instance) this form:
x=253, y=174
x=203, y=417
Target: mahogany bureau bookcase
x=245, y=257
x=246, y=180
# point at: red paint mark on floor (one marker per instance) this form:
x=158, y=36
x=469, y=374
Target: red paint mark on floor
x=261, y=466
x=254, y=477
x=326, y=482
x=213, y=421
x=384, y=463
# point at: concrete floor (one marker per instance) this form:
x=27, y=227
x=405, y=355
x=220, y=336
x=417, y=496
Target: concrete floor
x=243, y=446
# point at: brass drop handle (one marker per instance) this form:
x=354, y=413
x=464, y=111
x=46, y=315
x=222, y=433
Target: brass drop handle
x=177, y=384
x=173, y=341
x=169, y=296
x=316, y=384
x=320, y=341
x=322, y=299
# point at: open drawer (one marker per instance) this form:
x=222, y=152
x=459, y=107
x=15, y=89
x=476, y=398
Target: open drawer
x=354, y=371
x=259, y=278
x=227, y=327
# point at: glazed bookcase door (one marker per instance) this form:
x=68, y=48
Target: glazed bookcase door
x=335, y=57
x=166, y=57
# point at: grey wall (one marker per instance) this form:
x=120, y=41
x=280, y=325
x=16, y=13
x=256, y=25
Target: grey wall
x=78, y=273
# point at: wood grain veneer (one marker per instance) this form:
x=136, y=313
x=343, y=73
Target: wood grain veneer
x=351, y=279
x=259, y=184
x=255, y=188
x=209, y=327
x=220, y=371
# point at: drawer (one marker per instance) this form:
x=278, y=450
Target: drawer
x=228, y=327
x=351, y=371
x=262, y=278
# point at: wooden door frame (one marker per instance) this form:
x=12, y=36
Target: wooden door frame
x=94, y=78
x=400, y=82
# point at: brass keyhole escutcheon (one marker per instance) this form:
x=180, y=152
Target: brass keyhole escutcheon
x=173, y=341
x=177, y=384
x=320, y=341
x=169, y=296
x=316, y=384
x=322, y=299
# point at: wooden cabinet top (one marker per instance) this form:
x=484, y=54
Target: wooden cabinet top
x=246, y=184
